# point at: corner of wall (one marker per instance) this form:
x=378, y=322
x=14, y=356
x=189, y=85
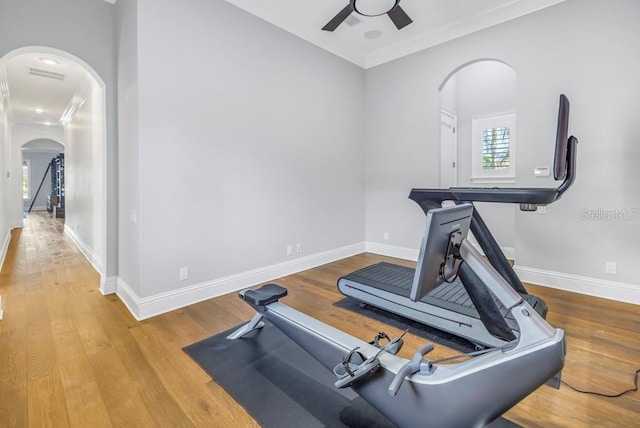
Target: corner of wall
x=108, y=285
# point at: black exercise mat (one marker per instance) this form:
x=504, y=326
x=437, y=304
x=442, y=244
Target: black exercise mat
x=281, y=385
x=429, y=333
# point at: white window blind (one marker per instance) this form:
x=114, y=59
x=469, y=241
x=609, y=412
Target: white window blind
x=26, y=186
x=493, y=148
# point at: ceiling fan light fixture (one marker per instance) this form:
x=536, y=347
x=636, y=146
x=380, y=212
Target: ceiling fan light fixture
x=373, y=7
x=391, y=8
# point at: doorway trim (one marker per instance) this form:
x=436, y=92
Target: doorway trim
x=448, y=149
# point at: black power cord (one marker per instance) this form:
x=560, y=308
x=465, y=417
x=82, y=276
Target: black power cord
x=635, y=388
x=502, y=348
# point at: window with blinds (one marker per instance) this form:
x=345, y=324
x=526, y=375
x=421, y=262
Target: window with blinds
x=493, y=148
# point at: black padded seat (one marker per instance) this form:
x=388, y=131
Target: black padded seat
x=264, y=295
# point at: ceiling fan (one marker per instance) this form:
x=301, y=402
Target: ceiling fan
x=371, y=8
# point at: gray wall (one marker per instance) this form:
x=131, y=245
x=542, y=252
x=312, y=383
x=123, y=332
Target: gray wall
x=128, y=159
x=249, y=139
x=85, y=211
x=586, y=49
x=85, y=29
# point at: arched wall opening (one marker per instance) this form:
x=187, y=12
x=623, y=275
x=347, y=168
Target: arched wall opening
x=81, y=127
x=475, y=94
x=37, y=155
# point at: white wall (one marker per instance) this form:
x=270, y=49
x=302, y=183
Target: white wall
x=85, y=213
x=250, y=139
x=586, y=49
x=5, y=150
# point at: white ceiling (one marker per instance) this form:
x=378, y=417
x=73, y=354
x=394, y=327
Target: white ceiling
x=52, y=93
x=434, y=22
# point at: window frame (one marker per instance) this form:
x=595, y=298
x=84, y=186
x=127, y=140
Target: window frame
x=26, y=196
x=501, y=175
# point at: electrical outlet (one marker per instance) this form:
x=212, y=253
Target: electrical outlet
x=298, y=248
x=385, y=236
x=289, y=250
x=542, y=209
x=610, y=267
x=184, y=273
x=133, y=217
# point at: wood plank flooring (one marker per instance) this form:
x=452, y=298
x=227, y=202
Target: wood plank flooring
x=70, y=356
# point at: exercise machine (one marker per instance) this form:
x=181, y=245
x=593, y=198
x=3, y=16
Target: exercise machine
x=464, y=307
x=418, y=391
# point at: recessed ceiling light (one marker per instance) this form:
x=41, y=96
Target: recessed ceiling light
x=373, y=34
x=49, y=61
x=48, y=123
x=39, y=110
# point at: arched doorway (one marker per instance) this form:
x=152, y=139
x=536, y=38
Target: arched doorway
x=37, y=156
x=475, y=98
x=51, y=92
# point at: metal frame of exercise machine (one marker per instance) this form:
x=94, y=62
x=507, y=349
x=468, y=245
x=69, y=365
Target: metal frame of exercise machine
x=466, y=308
x=420, y=392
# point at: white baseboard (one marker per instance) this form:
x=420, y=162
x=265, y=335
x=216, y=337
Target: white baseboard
x=129, y=298
x=411, y=254
x=622, y=292
x=145, y=307
x=392, y=251
x=7, y=241
x=86, y=251
x=618, y=291
x=108, y=285
x=5, y=248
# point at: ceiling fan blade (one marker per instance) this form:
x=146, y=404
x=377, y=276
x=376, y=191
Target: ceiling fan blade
x=399, y=17
x=339, y=18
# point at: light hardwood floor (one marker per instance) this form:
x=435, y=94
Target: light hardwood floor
x=70, y=356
